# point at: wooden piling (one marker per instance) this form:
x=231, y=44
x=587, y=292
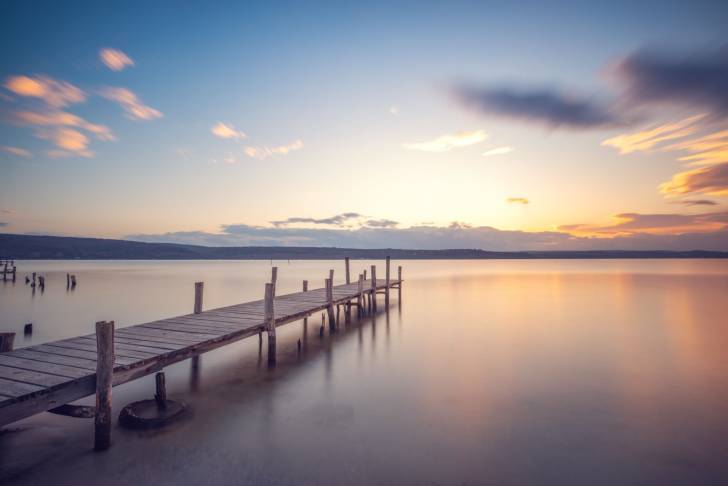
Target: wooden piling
x=68, y=280
x=386, y=280
x=346, y=264
x=305, y=319
x=274, y=278
x=373, y=296
x=270, y=324
x=399, y=282
x=104, y=372
x=161, y=395
x=197, y=309
x=6, y=341
x=330, y=304
x=73, y=281
x=28, y=329
x=360, y=295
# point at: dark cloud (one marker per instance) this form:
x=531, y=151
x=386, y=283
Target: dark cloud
x=697, y=80
x=696, y=202
x=381, y=223
x=336, y=220
x=549, y=107
x=631, y=232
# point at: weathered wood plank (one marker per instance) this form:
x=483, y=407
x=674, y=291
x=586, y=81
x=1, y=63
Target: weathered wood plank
x=16, y=389
x=34, y=354
x=42, y=367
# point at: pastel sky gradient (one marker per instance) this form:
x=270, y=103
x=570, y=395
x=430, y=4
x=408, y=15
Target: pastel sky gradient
x=495, y=125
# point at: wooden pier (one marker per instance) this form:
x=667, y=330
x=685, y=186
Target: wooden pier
x=47, y=377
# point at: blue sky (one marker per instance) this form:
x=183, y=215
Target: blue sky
x=344, y=109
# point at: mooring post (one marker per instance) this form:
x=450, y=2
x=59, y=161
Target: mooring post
x=305, y=319
x=330, y=302
x=270, y=324
x=274, y=278
x=386, y=286
x=6, y=341
x=399, y=282
x=161, y=395
x=374, y=289
x=68, y=280
x=360, y=295
x=346, y=263
x=104, y=372
x=199, y=287
x=73, y=281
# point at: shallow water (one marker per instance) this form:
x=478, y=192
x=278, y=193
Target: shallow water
x=485, y=372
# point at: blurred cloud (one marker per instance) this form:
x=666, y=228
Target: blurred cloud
x=518, y=200
x=394, y=110
x=711, y=180
x=381, y=223
x=68, y=140
x=132, y=105
x=223, y=130
x=697, y=79
x=3, y=224
x=696, y=202
x=497, y=151
x=707, y=150
x=115, y=59
x=264, y=152
x=541, y=105
x=62, y=118
x=337, y=220
x=55, y=93
x=448, y=142
x=656, y=224
x=649, y=138
x=20, y=152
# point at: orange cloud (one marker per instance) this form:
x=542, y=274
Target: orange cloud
x=132, y=105
x=445, y=143
x=115, y=59
x=265, y=151
x=647, y=139
x=222, y=130
x=20, y=152
x=711, y=180
x=55, y=93
x=707, y=150
x=654, y=224
x=68, y=140
x=62, y=118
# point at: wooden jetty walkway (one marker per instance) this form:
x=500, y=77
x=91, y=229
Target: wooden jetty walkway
x=47, y=377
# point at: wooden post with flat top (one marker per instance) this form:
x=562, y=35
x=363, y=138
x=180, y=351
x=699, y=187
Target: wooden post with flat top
x=374, y=289
x=386, y=286
x=399, y=282
x=104, y=373
x=274, y=278
x=199, y=287
x=6, y=341
x=270, y=323
x=346, y=263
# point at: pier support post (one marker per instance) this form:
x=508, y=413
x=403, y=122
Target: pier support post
x=104, y=372
x=346, y=263
x=399, y=282
x=6, y=341
x=330, y=302
x=374, y=289
x=161, y=395
x=360, y=296
x=387, y=283
x=305, y=319
x=199, y=287
x=274, y=278
x=270, y=323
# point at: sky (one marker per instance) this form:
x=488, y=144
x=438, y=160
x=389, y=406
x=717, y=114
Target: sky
x=493, y=125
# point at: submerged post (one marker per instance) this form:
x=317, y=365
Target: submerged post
x=270, y=324
x=104, y=372
x=346, y=263
x=330, y=304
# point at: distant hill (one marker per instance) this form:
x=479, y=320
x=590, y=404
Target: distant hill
x=28, y=247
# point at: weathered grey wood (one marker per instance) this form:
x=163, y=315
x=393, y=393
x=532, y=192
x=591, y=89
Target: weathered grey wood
x=104, y=371
x=270, y=325
x=330, y=303
x=274, y=278
x=199, y=287
x=34, y=354
x=346, y=263
x=31, y=377
x=373, y=297
x=6, y=341
x=42, y=367
x=387, y=283
x=161, y=394
x=11, y=388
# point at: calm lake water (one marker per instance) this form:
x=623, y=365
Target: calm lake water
x=485, y=372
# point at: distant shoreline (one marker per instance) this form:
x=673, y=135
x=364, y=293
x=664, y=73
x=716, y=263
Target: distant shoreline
x=31, y=247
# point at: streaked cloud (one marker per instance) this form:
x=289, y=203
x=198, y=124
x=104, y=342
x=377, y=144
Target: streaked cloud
x=707, y=150
x=130, y=102
x=115, y=59
x=223, y=130
x=655, y=224
x=648, y=139
x=694, y=80
x=518, y=200
x=264, y=152
x=497, y=151
x=381, y=223
x=55, y=93
x=69, y=141
x=545, y=106
x=337, y=220
x=445, y=143
x=696, y=202
x=62, y=118
x=20, y=152
x=711, y=180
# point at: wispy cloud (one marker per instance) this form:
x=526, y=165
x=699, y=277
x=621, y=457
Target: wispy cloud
x=696, y=202
x=62, y=118
x=497, y=151
x=130, y=102
x=549, y=107
x=648, y=139
x=655, y=224
x=55, y=93
x=518, y=200
x=20, y=152
x=445, y=143
x=711, y=180
x=381, y=223
x=68, y=140
x=337, y=220
x=223, y=130
x=115, y=59
x=707, y=150
x=265, y=151
x=696, y=79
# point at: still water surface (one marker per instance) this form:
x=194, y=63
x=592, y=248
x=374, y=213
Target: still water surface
x=485, y=372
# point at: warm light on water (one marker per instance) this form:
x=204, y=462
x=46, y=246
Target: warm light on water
x=486, y=372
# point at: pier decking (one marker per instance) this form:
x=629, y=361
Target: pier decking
x=46, y=376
